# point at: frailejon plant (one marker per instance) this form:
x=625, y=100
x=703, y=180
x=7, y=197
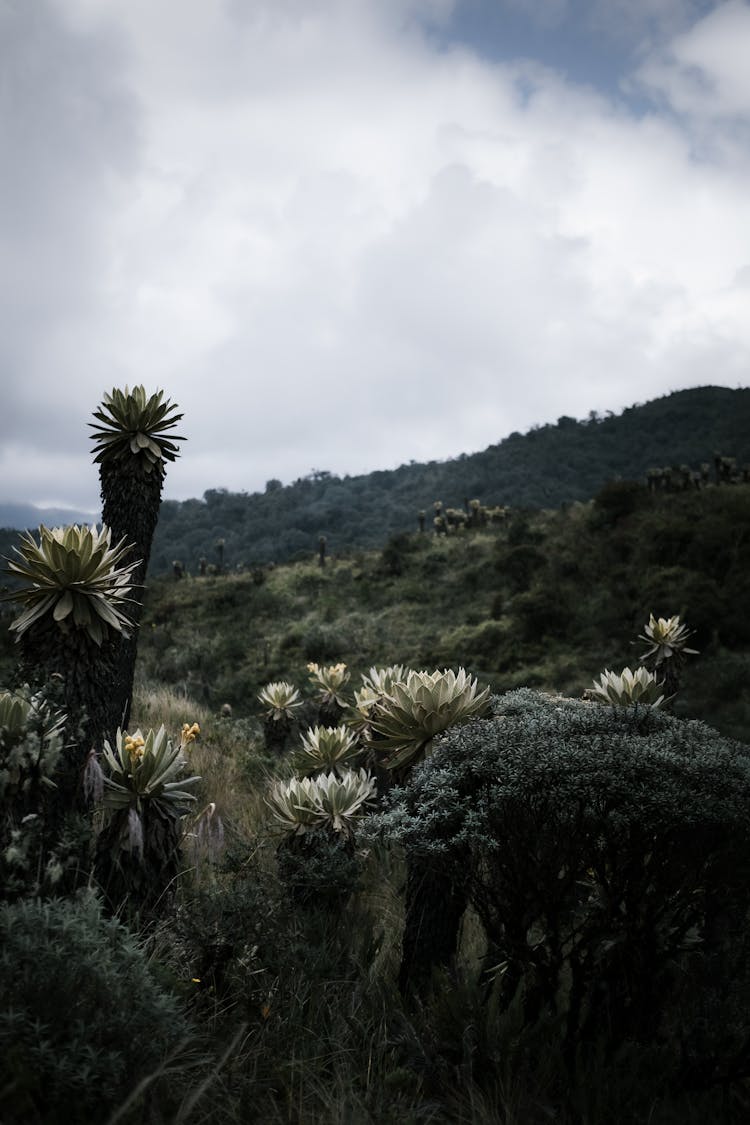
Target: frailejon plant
x=76, y=590
x=281, y=701
x=406, y=720
x=376, y=683
x=379, y=681
x=318, y=817
x=31, y=742
x=325, y=749
x=133, y=441
x=144, y=801
x=628, y=688
x=666, y=639
x=134, y=428
x=75, y=578
x=330, y=682
x=404, y=723
x=329, y=802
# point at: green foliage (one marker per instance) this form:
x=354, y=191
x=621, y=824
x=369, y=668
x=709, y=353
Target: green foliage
x=75, y=576
x=82, y=1019
x=519, y=564
x=319, y=870
x=583, y=608
x=543, y=468
x=30, y=745
x=132, y=429
x=616, y=499
x=31, y=740
x=607, y=856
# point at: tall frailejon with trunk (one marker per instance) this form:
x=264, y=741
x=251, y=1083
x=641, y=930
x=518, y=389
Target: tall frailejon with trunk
x=404, y=721
x=133, y=440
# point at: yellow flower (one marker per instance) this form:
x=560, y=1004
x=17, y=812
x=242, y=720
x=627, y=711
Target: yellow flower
x=189, y=733
x=134, y=747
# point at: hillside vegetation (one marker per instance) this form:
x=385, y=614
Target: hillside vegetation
x=548, y=466
x=347, y=862
x=547, y=600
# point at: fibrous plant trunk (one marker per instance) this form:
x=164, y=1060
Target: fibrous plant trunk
x=435, y=904
x=277, y=734
x=81, y=677
x=130, y=508
x=139, y=880
x=320, y=870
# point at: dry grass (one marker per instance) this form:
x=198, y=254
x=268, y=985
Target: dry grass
x=154, y=706
x=222, y=756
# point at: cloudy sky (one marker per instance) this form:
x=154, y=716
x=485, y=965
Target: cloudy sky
x=345, y=234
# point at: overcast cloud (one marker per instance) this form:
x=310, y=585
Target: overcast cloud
x=345, y=234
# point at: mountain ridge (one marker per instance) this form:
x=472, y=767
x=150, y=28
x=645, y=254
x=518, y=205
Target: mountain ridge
x=550, y=465
x=20, y=515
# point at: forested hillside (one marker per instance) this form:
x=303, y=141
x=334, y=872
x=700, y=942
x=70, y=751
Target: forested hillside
x=546, y=600
x=543, y=468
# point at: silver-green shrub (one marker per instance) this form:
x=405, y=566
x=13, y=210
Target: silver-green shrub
x=608, y=858
x=31, y=742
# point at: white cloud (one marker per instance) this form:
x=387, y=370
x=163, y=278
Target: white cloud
x=704, y=70
x=335, y=245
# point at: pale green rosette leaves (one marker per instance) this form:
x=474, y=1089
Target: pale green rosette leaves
x=74, y=575
x=146, y=767
x=134, y=427
x=626, y=688
x=326, y=748
x=420, y=707
x=280, y=699
x=333, y=801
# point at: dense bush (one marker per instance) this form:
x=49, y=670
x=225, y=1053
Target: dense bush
x=607, y=854
x=31, y=745
x=82, y=1019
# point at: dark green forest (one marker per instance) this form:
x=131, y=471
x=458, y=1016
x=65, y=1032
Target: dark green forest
x=548, y=466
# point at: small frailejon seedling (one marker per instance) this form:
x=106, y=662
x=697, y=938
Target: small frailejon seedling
x=628, y=688
x=325, y=749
